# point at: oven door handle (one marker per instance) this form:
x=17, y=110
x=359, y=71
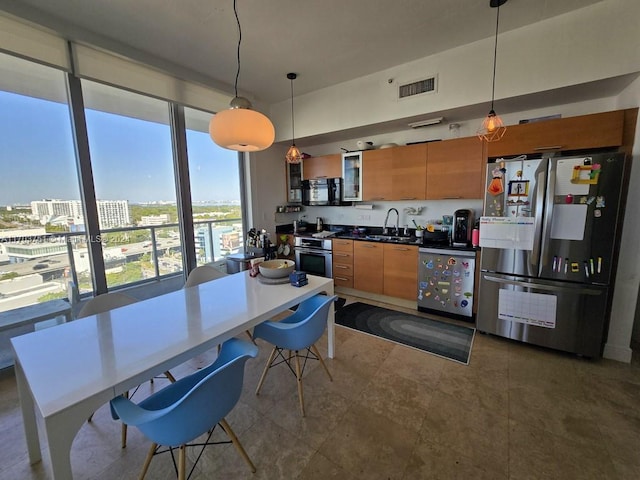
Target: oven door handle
x=312, y=251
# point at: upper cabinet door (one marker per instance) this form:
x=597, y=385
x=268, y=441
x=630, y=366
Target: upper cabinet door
x=352, y=177
x=325, y=166
x=583, y=132
x=376, y=174
x=409, y=171
x=455, y=168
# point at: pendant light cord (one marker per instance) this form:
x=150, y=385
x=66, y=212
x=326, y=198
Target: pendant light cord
x=235, y=11
x=495, y=56
x=293, y=122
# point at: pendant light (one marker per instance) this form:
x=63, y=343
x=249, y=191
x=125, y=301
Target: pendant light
x=241, y=128
x=293, y=154
x=492, y=128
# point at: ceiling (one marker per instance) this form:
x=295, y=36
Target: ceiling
x=325, y=41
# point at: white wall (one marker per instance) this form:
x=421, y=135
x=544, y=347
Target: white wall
x=628, y=274
x=589, y=44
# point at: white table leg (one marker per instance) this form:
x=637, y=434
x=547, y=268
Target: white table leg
x=331, y=331
x=28, y=415
x=61, y=431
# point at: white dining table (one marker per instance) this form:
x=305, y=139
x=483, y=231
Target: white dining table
x=67, y=372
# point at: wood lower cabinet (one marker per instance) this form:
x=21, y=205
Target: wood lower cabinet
x=327, y=166
x=597, y=130
x=368, y=267
x=342, y=262
x=400, y=271
x=455, y=169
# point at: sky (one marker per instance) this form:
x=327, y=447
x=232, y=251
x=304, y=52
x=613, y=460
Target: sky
x=131, y=158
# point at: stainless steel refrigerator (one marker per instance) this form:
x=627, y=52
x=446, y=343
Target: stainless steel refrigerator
x=549, y=238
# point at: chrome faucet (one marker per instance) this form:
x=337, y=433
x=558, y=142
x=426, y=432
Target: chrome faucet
x=385, y=230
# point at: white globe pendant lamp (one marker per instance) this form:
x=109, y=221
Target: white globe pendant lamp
x=240, y=128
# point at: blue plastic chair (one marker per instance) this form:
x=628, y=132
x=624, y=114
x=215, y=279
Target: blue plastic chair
x=207, y=273
x=299, y=331
x=101, y=304
x=190, y=407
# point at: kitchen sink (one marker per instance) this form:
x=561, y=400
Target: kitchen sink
x=388, y=238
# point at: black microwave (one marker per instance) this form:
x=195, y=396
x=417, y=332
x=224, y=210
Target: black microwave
x=322, y=191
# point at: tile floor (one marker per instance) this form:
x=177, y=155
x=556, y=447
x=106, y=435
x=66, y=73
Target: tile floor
x=391, y=412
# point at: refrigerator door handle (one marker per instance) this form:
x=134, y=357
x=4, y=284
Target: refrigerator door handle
x=538, y=215
x=548, y=216
x=538, y=286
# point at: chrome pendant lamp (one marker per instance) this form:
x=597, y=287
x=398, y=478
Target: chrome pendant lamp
x=240, y=128
x=293, y=154
x=492, y=128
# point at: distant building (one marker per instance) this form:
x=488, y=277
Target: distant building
x=154, y=220
x=111, y=213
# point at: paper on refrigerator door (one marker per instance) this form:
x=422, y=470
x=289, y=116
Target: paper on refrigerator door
x=568, y=221
x=507, y=232
x=564, y=173
x=524, y=307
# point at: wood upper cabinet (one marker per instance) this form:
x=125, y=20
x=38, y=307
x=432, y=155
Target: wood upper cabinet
x=328, y=166
x=401, y=271
x=409, y=170
x=368, y=263
x=455, y=168
x=394, y=173
x=376, y=174
x=597, y=130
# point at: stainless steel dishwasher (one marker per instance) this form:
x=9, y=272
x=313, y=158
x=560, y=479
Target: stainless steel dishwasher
x=445, y=282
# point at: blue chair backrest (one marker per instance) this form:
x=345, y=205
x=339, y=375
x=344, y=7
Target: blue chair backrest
x=309, y=322
x=194, y=404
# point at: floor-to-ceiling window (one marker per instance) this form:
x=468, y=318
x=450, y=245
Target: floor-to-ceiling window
x=41, y=246
x=132, y=162
x=215, y=192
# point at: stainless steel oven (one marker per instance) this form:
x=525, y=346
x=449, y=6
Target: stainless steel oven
x=313, y=255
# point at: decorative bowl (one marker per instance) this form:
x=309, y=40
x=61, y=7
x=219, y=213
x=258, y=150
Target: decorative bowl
x=276, y=268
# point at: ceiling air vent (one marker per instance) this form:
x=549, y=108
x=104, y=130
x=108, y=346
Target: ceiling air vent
x=426, y=85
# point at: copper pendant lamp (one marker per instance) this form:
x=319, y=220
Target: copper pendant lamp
x=240, y=128
x=492, y=128
x=293, y=154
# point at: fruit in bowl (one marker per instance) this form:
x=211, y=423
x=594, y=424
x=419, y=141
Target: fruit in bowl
x=276, y=268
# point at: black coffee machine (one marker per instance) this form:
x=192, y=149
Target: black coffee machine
x=463, y=221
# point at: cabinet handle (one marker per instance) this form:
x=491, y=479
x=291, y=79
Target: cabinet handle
x=451, y=198
x=344, y=279
x=408, y=198
x=401, y=249
x=344, y=267
x=376, y=198
x=340, y=254
x=365, y=245
x=550, y=147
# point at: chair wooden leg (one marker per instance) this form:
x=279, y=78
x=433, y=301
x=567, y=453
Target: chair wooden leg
x=299, y=380
x=182, y=463
x=250, y=337
x=147, y=461
x=170, y=377
x=266, y=369
x=227, y=428
x=314, y=349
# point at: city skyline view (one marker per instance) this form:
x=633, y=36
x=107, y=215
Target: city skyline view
x=131, y=158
